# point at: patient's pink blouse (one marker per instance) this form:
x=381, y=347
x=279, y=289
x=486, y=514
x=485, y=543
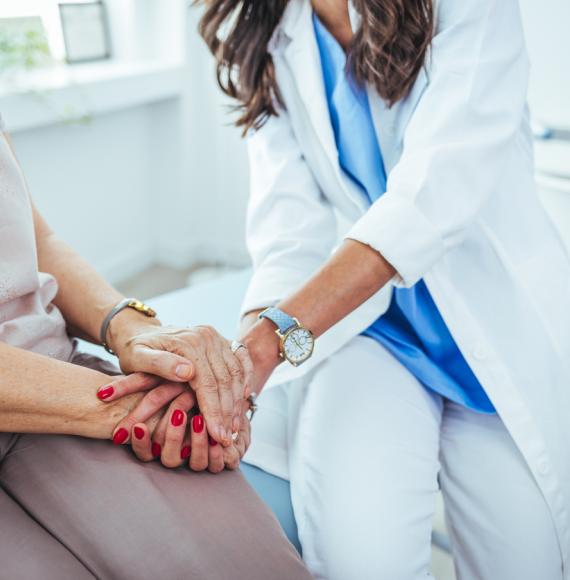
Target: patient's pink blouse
x=28, y=319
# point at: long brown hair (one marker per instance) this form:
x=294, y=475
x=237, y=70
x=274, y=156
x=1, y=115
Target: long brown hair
x=388, y=50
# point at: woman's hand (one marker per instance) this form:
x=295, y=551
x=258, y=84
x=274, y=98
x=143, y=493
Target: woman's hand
x=181, y=439
x=200, y=356
x=159, y=426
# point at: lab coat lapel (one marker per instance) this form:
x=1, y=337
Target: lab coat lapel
x=390, y=122
x=302, y=56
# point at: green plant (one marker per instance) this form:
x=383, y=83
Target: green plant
x=24, y=51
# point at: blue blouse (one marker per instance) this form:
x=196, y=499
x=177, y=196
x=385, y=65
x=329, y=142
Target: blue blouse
x=412, y=328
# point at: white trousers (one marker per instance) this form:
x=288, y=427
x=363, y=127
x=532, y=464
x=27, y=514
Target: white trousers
x=372, y=448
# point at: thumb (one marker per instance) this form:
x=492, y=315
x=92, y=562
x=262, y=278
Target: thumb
x=161, y=363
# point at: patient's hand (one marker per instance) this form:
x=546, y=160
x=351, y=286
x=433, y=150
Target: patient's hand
x=199, y=356
x=159, y=426
x=182, y=439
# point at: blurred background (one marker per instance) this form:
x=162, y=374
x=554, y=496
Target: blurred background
x=130, y=154
x=127, y=143
x=128, y=149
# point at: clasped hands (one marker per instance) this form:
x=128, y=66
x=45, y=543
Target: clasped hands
x=193, y=395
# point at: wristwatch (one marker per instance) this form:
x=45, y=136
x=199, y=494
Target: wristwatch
x=125, y=303
x=296, y=344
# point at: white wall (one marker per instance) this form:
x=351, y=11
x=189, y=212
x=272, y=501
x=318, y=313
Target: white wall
x=162, y=182
x=90, y=182
x=546, y=27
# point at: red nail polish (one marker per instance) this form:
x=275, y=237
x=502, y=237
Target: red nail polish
x=177, y=418
x=105, y=393
x=139, y=432
x=156, y=449
x=185, y=452
x=198, y=423
x=212, y=442
x=120, y=436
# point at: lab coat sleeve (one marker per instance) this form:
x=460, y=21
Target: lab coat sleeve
x=457, y=138
x=291, y=227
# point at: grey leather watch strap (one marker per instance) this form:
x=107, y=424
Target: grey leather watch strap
x=105, y=325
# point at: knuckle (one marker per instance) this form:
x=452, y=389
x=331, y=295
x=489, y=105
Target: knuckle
x=154, y=398
x=232, y=461
x=195, y=341
x=141, y=456
x=225, y=380
x=208, y=331
x=244, y=357
x=235, y=370
x=186, y=400
x=213, y=414
x=208, y=384
x=198, y=465
x=156, y=366
x=170, y=462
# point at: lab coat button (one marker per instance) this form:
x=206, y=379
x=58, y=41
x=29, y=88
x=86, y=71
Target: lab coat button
x=480, y=353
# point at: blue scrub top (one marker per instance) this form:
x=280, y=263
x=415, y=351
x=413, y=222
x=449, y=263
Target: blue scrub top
x=412, y=329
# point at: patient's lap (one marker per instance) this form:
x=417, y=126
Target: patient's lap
x=97, y=499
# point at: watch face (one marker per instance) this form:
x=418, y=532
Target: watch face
x=298, y=346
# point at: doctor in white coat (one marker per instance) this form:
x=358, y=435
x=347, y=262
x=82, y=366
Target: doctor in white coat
x=435, y=340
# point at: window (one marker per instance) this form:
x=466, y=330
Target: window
x=48, y=11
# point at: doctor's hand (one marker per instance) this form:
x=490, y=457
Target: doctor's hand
x=197, y=356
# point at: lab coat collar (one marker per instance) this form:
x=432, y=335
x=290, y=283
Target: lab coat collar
x=301, y=53
x=296, y=11
x=295, y=40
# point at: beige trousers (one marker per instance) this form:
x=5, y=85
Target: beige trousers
x=73, y=508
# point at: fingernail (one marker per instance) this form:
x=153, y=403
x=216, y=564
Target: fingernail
x=183, y=371
x=212, y=442
x=139, y=432
x=105, y=393
x=185, y=452
x=155, y=450
x=177, y=418
x=198, y=423
x=120, y=436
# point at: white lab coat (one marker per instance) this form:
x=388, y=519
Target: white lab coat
x=461, y=211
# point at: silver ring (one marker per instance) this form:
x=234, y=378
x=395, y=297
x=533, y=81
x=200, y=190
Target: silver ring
x=235, y=436
x=253, y=407
x=235, y=346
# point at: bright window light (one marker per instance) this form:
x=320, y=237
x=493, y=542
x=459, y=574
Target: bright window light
x=48, y=11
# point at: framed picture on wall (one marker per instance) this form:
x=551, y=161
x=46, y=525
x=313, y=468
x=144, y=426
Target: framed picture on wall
x=85, y=31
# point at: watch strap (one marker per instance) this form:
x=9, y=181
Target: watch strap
x=125, y=303
x=281, y=319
